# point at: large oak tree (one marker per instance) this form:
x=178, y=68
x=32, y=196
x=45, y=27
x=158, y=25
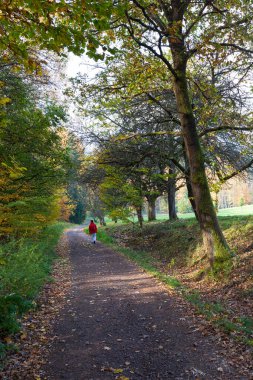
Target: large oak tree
x=180, y=33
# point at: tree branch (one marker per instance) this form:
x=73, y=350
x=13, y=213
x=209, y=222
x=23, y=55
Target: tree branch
x=237, y=47
x=238, y=171
x=139, y=135
x=130, y=29
x=174, y=119
x=223, y=128
x=179, y=166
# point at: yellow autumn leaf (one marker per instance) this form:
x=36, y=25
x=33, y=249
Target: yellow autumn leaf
x=8, y=340
x=43, y=20
x=4, y=100
x=117, y=370
x=23, y=335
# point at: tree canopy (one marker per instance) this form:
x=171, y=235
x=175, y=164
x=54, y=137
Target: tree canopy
x=198, y=53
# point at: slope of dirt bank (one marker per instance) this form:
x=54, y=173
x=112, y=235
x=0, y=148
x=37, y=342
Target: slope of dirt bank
x=176, y=249
x=224, y=303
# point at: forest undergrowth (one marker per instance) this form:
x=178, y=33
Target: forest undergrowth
x=25, y=266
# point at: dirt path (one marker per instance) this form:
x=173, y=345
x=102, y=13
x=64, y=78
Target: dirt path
x=121, y=323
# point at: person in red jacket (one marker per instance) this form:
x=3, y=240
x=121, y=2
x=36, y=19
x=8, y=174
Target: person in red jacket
x=93, y=231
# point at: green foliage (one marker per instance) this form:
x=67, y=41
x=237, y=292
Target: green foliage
x=219, y=316
x=247, y=325
x=25, y=266
x=12, y=306
x=242, y=201
x=104, y=237
x=183, y=205
x=120, y=194
x=78, y=196
x=34, y=163
x=209, y=309
x=223, y=263
x=52, y=25
x=23, y=272
x=91, y=177
x=4, y=349
x=76, y=190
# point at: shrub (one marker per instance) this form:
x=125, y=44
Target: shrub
x=24, y=267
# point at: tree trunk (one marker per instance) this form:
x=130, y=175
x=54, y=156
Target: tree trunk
x=151, y=208
x=190, y=195
x=213, y=238
x=139, y=216
x=102, y=221
x=189, y=186
x=171, y=188
x=216, y=202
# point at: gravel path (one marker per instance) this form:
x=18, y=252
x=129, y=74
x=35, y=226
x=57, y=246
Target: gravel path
x=120, y=323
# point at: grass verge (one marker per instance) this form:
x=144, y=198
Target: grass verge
x=25, y=265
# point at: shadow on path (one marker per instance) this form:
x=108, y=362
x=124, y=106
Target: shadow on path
x=118, y=321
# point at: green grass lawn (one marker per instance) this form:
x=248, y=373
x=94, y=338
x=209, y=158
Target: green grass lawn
x=242, y=210
x=233, y=211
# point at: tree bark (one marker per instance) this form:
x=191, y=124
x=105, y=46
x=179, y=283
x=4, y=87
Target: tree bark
x=189, y=186
x=102, y=221
x=216, y=202
x=139, y=216
x=171, y=189
x=151, y=208
x=213, y=238
x=191, y=196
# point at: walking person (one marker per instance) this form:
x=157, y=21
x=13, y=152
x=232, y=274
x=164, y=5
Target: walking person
x=93, y=231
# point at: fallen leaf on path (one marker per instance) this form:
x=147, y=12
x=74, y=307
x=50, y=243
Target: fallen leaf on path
x=107, y=369
x=8, y=340
x=117, y=370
